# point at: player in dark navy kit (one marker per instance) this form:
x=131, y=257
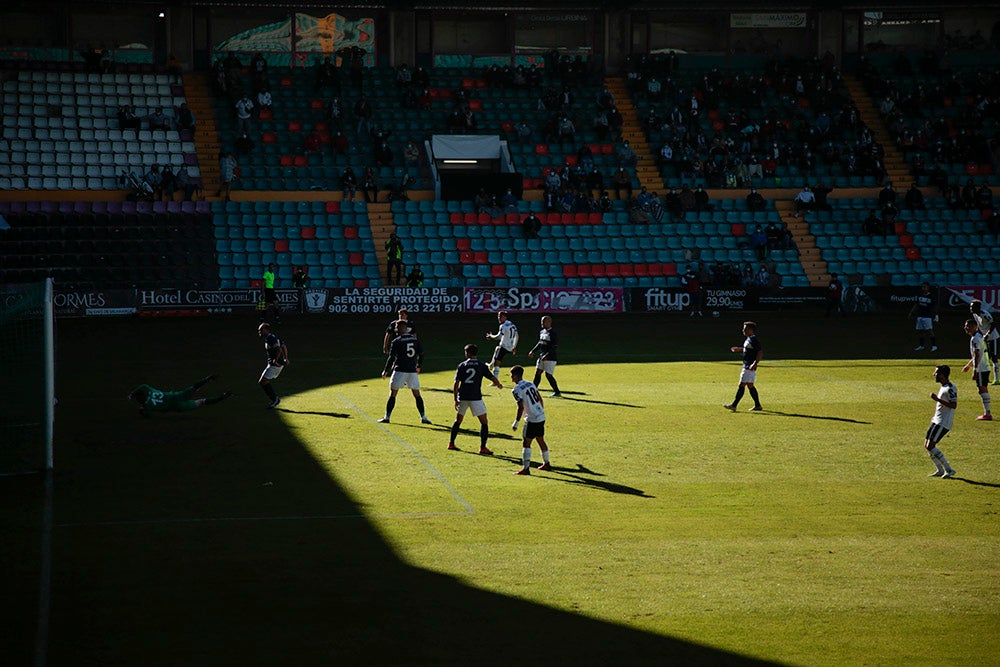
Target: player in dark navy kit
x=925, y=310
x=406, y=354
x=469, y=395
x=390, y=331
x=753, y=352
x=547, y=349
x=277, y=359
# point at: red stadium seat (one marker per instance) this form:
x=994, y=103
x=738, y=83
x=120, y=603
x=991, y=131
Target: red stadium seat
x=463, y=244
x=333, y=207
x=738, y=229
x=912, y=253
x=570, y=270
x=361, y=282
x=308, y=232
x=465, y=257
x=350, y=232
x=670, y=269
x=285, y=160
x=356, y=259
x=269, y=138
x=300, y=161
x=481, y=257
x=498, y=271
x=281, y=245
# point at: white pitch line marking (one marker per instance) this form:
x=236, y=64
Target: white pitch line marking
x=420, y=457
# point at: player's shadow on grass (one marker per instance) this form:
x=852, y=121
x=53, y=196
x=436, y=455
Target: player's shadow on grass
x=338, y=415
x=975, y=483
x=466, y=432
x=565, y=397
x=576, y=478
x=823, y=417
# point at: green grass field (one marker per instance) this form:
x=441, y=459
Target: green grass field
x=670, y=532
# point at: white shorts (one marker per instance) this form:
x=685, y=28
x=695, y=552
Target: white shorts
x=271, y=372
x=478, y=408
x=925, y=324
x=399, y=379
x=546, y=366
x=748, y=376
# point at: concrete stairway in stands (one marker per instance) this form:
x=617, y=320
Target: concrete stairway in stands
x=810, y=255
x=645, y=171
x=198, y=93
x=896, y=168
x=381, y=220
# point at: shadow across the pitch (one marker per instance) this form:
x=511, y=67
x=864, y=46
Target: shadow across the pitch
x=821, y=417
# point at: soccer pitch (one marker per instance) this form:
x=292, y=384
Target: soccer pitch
x=670, y=531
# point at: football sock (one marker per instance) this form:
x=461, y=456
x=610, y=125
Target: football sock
x=538, y=378
x=202, y=382
x=920, y=341
x=739, y=395
x=996, y=371
x=216, y=399
x=269, y=390
x=552, y=382
x=545, y=455
x=933, y=341
x=484, y=433
x=454, y=431
x=389, y=405
x=753, y=395
x=939, y=460
x=526, y=457
x=420, y=405
x=986, y=401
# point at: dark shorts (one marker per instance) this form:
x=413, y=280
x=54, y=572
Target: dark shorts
x=935, y=432
x=991, y=348
x=534, y=430
x=981, y=378
x=500, y=352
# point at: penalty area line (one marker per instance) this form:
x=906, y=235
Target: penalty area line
x=420, y=457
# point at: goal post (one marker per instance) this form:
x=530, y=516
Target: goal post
x=27, y=392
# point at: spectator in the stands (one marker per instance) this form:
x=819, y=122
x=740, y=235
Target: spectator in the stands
x=327, y=76
x=687, y=199
x=383, y=155
x=227, y=172
x=701, y=200
x=127, y=120
x=363, y=114
x=404, y=76
x=626, y=155
x=594, y=181
x=615, y=122
x=243, y=106
x=969, y=195
x=993, y=222
x=621, y=181
x=264, y=101
x=805, y=200
x=158, y=120
x=339, y=144
x=185, y=118
x=530, y=226
x=154, y=179
x=871, y=224
x=984, y=197
x=184, y=183
x=411, y=154
x=168, y=182
x=758, y=242
x=755, y=201
x=349, y=183
x=244, y=145
x=821, y=192
x=509, y=201
x=914, y=198
x=369, y=185
x=523, y=131
x=889, y=215
x=886, y=196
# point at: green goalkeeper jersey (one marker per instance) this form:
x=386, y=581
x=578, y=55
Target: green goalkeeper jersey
x=167, y=401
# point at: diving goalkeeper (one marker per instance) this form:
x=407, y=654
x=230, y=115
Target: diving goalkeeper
x=154, y=400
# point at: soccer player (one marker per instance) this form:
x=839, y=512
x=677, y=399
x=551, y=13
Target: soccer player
x=154, y=400
x=987, y=327
x=753, y=352
x=925, y=311
x=406, y=354
x=979, y=364
x=277, y=359
x=468, y=391
x=944, y=416
x=531, y=406
x=506, y=337
x=390, y=331
x=546, y=347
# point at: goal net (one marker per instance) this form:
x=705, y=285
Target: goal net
x=27, y=392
